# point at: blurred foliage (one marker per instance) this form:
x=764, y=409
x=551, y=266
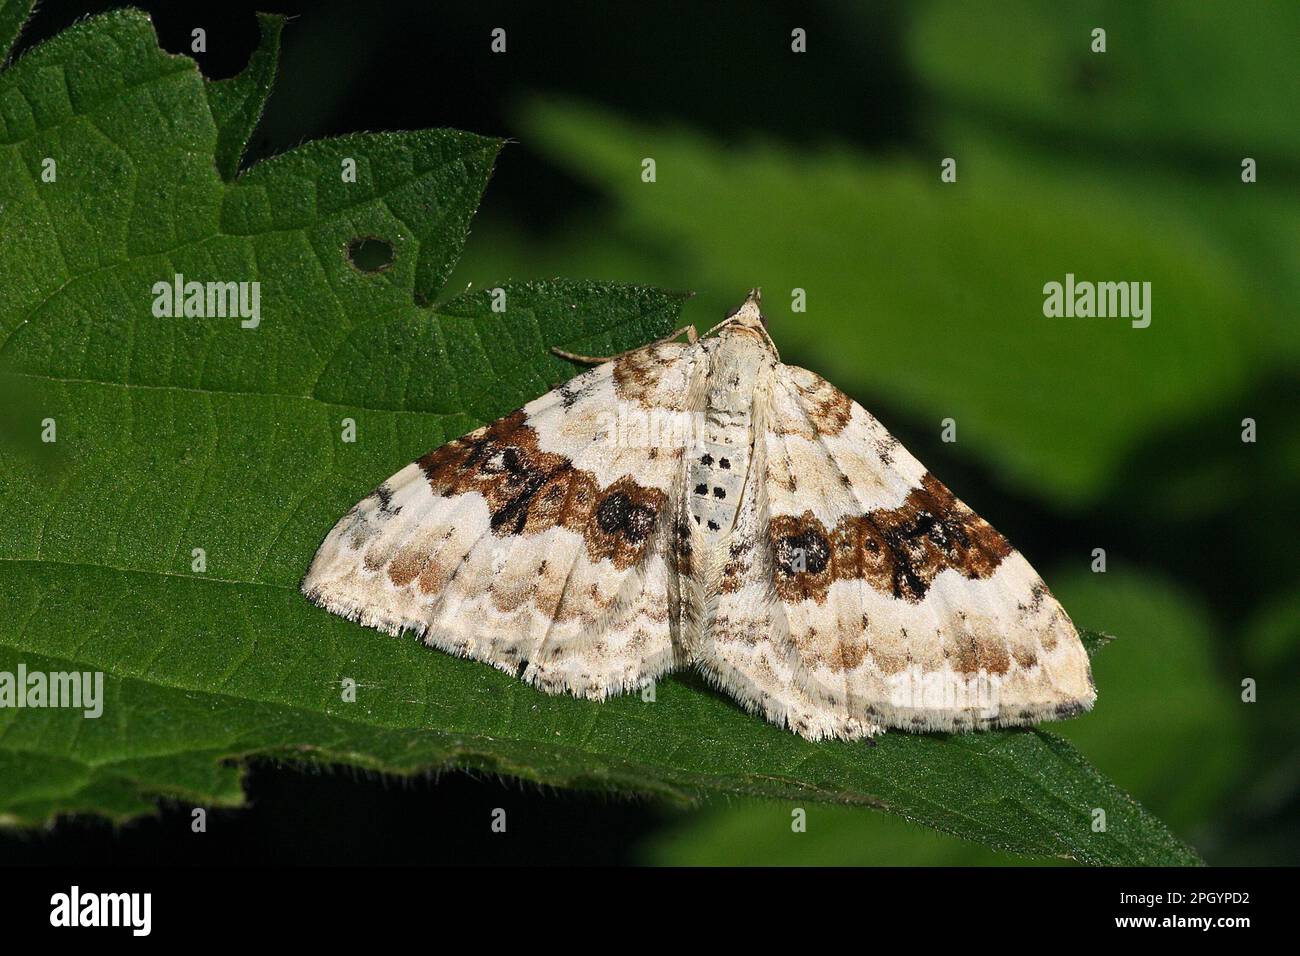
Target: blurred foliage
x=1163, y=698
x=1182, y=76
x=760, y=834
x=882, y=247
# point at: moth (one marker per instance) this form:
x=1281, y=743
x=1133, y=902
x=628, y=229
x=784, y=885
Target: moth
x=769, y=532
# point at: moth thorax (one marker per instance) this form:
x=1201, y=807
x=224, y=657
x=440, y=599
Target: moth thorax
x=716, y=474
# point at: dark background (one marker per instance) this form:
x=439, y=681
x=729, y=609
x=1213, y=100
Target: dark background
x=1223, y=538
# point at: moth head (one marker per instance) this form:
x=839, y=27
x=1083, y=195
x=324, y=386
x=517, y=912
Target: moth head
x=750, y=311
x=748, y=316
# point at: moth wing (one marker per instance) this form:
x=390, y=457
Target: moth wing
x=893, y=603
x=540, y=541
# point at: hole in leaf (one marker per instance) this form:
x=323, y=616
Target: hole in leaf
x=370, y=254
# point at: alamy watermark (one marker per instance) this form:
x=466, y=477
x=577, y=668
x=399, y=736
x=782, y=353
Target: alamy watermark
x=208, y=300
x=918, y=689
x=76, y=690
x=132, y=911
x=1103, y=300
x=632, y=425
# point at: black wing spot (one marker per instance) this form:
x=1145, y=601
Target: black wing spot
x=719, y=493
x=701, y=489
x=385, y=496
x=797, y=553
x=713, y=526
x=724, y=463
x=618, y=514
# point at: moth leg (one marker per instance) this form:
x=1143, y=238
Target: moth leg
x=692, y=336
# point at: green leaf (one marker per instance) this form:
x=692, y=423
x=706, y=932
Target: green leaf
x=237, y=102
x=178, y=434
x=13, y=14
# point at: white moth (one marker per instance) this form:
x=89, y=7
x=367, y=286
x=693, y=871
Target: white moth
x=784, y=543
